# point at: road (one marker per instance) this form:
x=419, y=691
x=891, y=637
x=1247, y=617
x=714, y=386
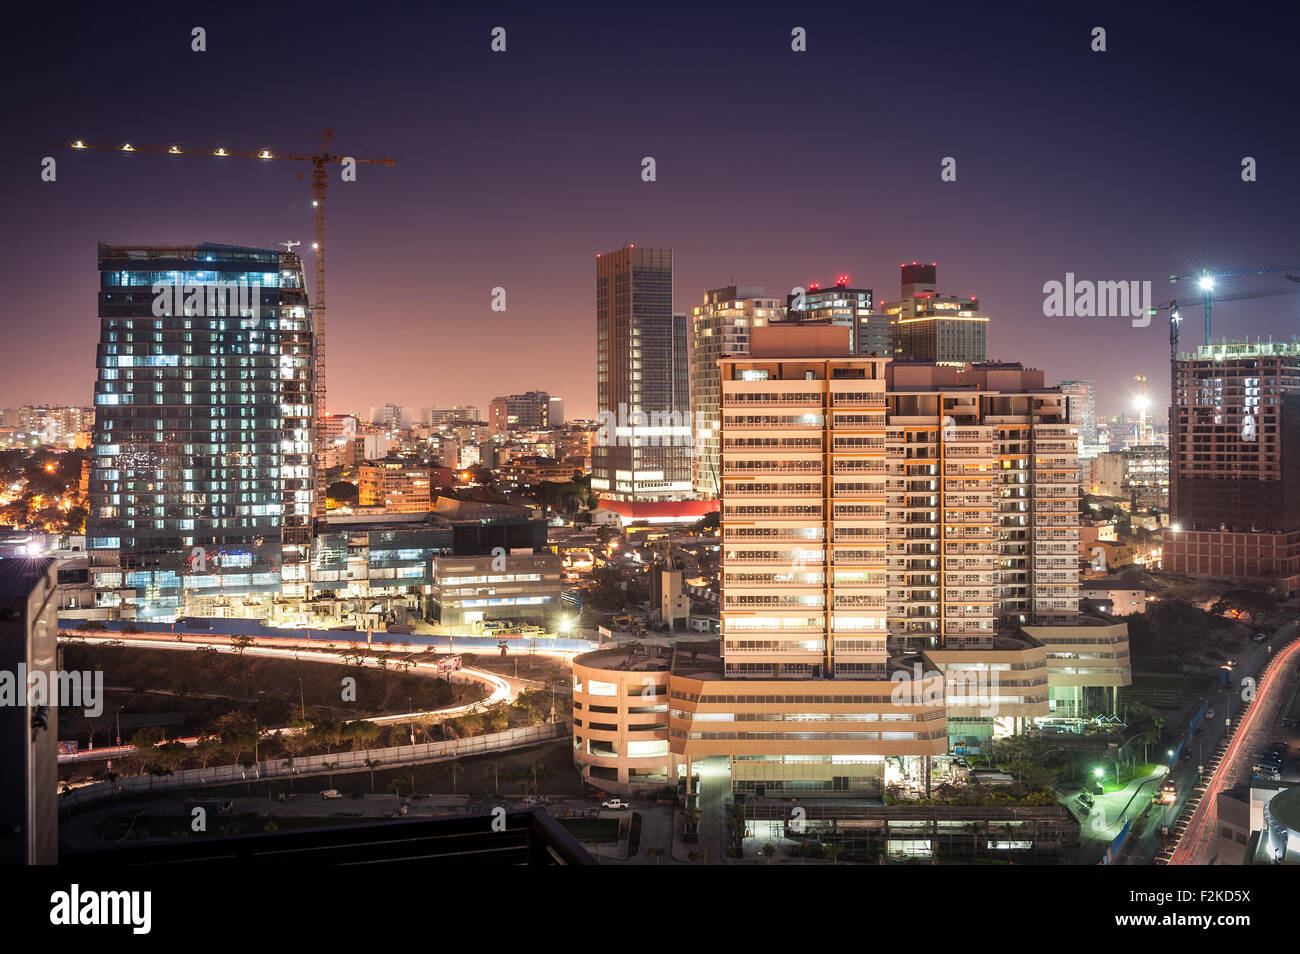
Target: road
x=503, y=688
x=1197, y=843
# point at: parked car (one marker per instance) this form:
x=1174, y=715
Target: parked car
x=331, y=793
x=614, y=803
x=1209, y=713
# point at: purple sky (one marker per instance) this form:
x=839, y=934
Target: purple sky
x=774, y=168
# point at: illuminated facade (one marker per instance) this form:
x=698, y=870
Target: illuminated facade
x=643, y=402
x=852, y=308
x=928, y=326
x=1234, y=505
x=203, y=476
x=720, y=328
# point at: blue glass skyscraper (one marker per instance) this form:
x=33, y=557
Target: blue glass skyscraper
x=203, y=476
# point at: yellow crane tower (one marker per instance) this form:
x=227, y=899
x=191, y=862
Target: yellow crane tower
x=318, y=159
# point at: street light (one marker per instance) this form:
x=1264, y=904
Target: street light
x=1206, y=282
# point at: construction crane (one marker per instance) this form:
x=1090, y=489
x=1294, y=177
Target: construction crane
x=1205, y=281
x=1174, y=306
x=325, y=154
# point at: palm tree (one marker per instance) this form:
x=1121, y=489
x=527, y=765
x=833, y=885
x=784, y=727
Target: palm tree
x=330, y=767
x=457, y=770
x=539, y=769
x=495, y=768
x=372, y=764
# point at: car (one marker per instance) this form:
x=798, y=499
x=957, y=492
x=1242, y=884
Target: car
x=1186, y=755
x=1260, y=637
x=1198, y=732
x=1266, y=772
x=614, y=803
x=1209, y=713
x=331, y=793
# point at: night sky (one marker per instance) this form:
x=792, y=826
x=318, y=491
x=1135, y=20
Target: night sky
x=774, y=168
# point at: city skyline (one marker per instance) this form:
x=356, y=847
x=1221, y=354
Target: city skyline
x=417, y=250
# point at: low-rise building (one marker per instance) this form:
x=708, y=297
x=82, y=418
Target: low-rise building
x=505, y=586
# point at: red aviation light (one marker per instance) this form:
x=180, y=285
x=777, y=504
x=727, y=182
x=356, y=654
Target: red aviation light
x=842, y=281
x=814, y=286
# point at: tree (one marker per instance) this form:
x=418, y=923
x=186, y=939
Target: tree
x=457, y=770
x=538, y=769
x=342, y=492
x=372, y=764
x=495, y=768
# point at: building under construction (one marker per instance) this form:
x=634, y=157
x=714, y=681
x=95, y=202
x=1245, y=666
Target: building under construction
x=1234, y=484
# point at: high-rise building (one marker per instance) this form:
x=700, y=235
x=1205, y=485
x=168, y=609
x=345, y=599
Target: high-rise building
x=1083, y=412
x=849, y=307
x=643, y=401
x=720, y=328
x=520, y=412
x=204, y=475
x=1234, y=488
x=929, y=326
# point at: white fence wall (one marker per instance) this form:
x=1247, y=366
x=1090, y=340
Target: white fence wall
x=322, y=764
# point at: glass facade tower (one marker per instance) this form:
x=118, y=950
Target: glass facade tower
x=203, y=477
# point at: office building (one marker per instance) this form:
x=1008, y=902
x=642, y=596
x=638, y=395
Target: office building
x=438, y=416
x=204, y=474
x=720, y=328
x=507, y=586
x=929, y=326
x=852, y=308
x=643, y=457
x=520, y=412
x=399, y=486
x=1233, y=486
x=29, y=723
x=1083, y=413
